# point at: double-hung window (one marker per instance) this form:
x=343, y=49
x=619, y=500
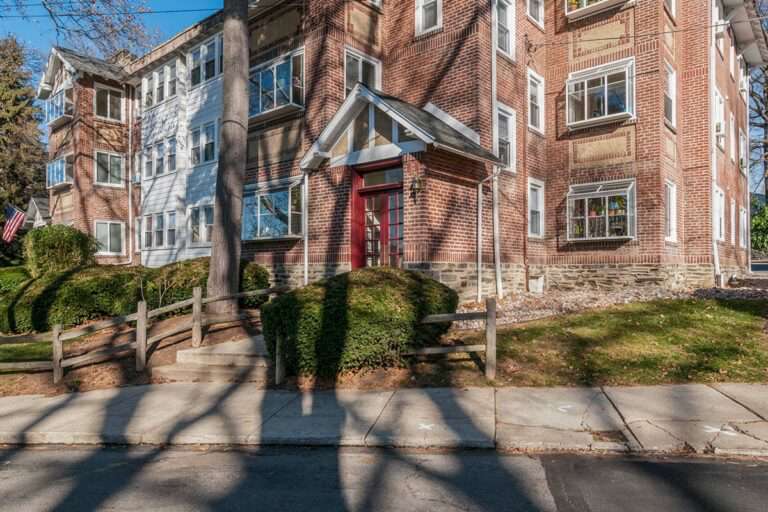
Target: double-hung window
x=505, y=27
x=273, y=212
x=507, y=131
x=601, y=94
x=719, y=120
x=148, y=162
x=718, y=221
x=719, y=24
x=159, y=159
x=159, y=230
x=209, y=149
x=362, y=69
x=670, y=211
x=149, y=89
x=671, y=6
x=601, y=211
x=109, y=103
x=170, y=229
x=743, y=227
x=535, y=101
x=535, y=10
x=201, y=224
x=743, y=78
x=205, y=61
x=743, y=152
x=670, y=95
x=733, y=222
x=277, y=84
x=195, y=67
x=109, y=237
x=194, y=146
x=732, y=149
x=60, y=171
x=172, y=79
x=535, y=208
x=429, y=15
x=172, y=154
x=148, y=231
x=109, y=169
x=161, y=85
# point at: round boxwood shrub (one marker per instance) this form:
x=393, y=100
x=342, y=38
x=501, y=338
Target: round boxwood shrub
x=362, y=319
x=57, y=248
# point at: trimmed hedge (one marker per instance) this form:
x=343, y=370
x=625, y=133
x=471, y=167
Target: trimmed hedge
x=11, y=278
x=57, y=248
x=362, y=319
x=75, y=296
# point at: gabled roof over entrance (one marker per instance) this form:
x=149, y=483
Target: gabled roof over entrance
x=422, y=124
x=37, y=206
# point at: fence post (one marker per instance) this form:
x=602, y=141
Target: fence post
x=58, y=355
x=490, y=338
x=141, y=337
x=279, y=363
x=197, y=316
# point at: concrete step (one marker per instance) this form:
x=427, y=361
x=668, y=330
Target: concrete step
x=187, y=372
x=250, y=352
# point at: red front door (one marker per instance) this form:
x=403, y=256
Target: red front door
x=378, y=219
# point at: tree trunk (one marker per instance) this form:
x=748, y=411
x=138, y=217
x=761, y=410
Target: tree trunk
x=224, y=276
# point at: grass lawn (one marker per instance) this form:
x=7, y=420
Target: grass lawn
x=666, y=341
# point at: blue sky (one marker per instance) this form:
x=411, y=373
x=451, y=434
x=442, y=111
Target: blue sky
x=39, y=33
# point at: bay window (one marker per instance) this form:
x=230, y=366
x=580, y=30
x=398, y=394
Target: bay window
x=602, y=211
x=429, y=15
x=60, y=171
x=59, y=106
x=109, y=237
x=362, y=69
x=278, y=84
x=273, y=212
x=601, y=94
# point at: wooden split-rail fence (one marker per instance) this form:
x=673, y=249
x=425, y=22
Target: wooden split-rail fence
x=142, y=339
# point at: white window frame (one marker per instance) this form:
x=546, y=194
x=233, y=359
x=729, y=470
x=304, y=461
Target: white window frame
x=202, y=242
x=671, y=92
x=743, y=78
x=148, y=234
x=289, y=186
x=538, y=185
x=743, y=152
x=537, y=20
x=718, y=215
x=171, y=142
x=510, y=25
x=670, y=211
x=122, y=236
x=148, y=157
x=272, y=65
x=732, y=60
x=603, y=189
x=732, y=148
x=719, y=120
x=743, y=227
x=589, y=10
x=511, y=117
x=96, y=88
x=203, y=142
x=671, y=6
x=625, y=65
x=96, y=168
x=540, y=98
x=166, y=230
x=733, y=222
x=203, y=47
x=420, y=29
x=362, y=58
x=718, y=26
x=69, y=178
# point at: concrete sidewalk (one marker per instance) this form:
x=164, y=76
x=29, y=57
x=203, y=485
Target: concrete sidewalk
x=724, y=419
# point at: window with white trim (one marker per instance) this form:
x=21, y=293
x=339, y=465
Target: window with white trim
x=201, y=224
x=718, y=215
x=205, y=61
x=273, y=212
x=361, y=68
x=535, y=101
x=159, y=158
x=601, y=211
x=148, y=231
x=60, y=171
x=109, y=169
x=172, y=79
x=195, y=140
x=278, y=84
x=505, y=27
x=109, y=103
x=59, y=105
x=170, y=229
x=429, y=15
x=172, y=154
x=577, y=9
x=202, y=144
x=743, y=78
x=159, y=230
x=743, y=227
x=507, y=130
x=743, y=152
x=601, y=94
x=670, y=211
x=148, y=162
x=149, y=90
x=535, y=208
x=732, y=59
x=719, y=120
x=670, y=95
x=733, y=222
x=671, y=6
x=535, y=9
x=160, y=85
x=718, y=25
x=732, y=149
x=109, y=237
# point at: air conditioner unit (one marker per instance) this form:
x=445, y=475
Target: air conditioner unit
x=137, y=179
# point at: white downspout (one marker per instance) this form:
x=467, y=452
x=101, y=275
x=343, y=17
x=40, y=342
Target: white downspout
x=479, y=243
x=130, y=170
x=305, y=225
x=495, y=182
x=713, y=141
x=748, y=198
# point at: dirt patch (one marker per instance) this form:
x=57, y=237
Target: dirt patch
x=122, y=371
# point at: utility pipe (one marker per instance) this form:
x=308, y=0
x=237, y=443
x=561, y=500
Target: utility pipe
x=713, y=144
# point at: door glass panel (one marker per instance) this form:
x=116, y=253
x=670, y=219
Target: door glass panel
x=372, y=179
x=373, y=218
x=395, y=249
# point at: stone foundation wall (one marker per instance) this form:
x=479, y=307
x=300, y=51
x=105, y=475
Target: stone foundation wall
x=609, y=277
x=462, y=277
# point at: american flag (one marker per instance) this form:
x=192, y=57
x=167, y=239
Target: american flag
x=14, y=218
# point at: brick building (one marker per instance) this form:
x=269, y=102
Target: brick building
x=521, y=145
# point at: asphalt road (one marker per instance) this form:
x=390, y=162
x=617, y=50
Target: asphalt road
x=370, y=480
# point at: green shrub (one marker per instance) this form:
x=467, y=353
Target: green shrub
x=253, y=277
x=11, y=278
x=77, y=295
x=362, y=319
x=57, y=248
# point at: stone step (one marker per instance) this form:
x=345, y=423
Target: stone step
x=186, y=372
x=251, y=352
